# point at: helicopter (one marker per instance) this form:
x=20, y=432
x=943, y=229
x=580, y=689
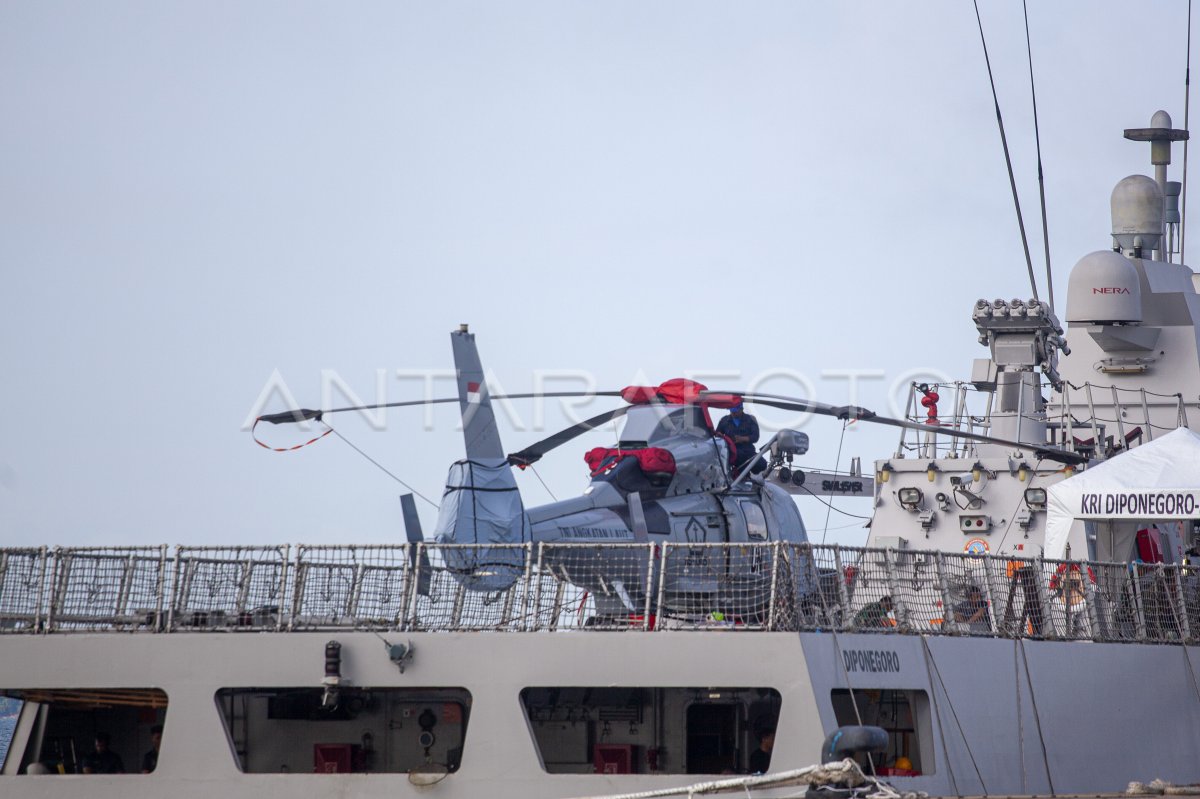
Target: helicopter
x=670, y=478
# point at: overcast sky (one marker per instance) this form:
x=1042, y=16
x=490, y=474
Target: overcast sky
x=197, y=196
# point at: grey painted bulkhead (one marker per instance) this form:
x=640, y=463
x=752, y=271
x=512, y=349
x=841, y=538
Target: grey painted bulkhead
x=1108, y=713
x=499, y=759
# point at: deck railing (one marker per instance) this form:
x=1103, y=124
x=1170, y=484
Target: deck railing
x=585, y=587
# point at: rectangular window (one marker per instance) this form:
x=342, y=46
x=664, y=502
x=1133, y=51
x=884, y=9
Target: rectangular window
x=350, y=729
x=81, y=730
x=10, y=710
x=904, y=715
x=604, y=730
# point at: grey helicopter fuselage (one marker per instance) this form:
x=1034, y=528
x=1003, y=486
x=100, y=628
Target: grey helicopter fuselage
x=693, y=500
x=695, y=505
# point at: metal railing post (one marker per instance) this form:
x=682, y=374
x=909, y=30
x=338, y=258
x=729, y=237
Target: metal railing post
x=354, y=595
x=1096, y=443
x=949, y=623
x=1146, y=413
x=410, y=612
x=1135, y=582
x=774, y=584
x=989, y=561
x=843, y=591
x=1181, y=614
x=162, y=587
x=559, y=590
x=281, y=599
x=1047, y=621
x=1093, y=610
x=902, y=614
x=1066, y=423
x=42, y=598
x=541, y=577
x=176, y=585
x=527, y=594
x=58, y=588
x=125, y=587
x=298, y=577
x=651, y=551
x=662, y=584
x=1117, y=413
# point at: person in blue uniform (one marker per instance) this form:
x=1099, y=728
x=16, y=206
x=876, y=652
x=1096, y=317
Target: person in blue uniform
x=742, y=428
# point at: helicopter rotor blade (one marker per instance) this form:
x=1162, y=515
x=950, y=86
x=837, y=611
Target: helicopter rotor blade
x=305, y=414
x=534, y=452
x=858, y=413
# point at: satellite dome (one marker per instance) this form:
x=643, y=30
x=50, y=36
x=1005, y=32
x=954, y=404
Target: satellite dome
x=1104, y=288
x=1137, y=213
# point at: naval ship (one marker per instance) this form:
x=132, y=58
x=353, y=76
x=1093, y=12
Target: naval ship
x=1022, y=620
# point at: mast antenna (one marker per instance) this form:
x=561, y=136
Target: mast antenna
x=1187, y=95
x=1012, y=181
x=1037, y=137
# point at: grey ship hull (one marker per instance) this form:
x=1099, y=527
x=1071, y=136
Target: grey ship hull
x=1076, y=716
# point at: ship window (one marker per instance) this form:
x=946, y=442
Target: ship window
x=903, y=714
x=606, y=730
x=54, y=731
x=353, y=729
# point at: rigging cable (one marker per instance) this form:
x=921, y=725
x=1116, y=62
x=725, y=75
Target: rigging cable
x=1020, y=722
x=1187, y=95
x=533, y=469
x=1012, y=181
x=931, y=665
x=1037, y=719
x=1037, y=138
x=379, y=465
x=839, y=510
x=836, y=463
x=841, y=661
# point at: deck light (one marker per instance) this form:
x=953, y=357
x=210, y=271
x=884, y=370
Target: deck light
x=1035, y=498
x=885, y=472
x=910, y=498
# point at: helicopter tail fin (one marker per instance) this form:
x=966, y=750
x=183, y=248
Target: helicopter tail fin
x=480, y=433
x=481, y=505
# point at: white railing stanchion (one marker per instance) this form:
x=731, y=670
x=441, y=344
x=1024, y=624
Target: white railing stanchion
x=773, y=600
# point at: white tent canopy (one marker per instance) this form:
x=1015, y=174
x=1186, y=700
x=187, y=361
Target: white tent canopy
x=1159, y=480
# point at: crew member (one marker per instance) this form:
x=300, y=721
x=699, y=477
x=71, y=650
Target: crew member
x=103, y=760
x=972, y=611
x=150, y=759
x=742, y=429
x=874, y=614
x=760, y=758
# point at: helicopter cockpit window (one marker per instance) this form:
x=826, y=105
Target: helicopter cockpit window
x=646, y=424
x=756, y=521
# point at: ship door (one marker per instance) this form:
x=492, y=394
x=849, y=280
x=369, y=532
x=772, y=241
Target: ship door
x=712, y=734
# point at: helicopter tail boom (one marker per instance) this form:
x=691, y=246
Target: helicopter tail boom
x=481, y=503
